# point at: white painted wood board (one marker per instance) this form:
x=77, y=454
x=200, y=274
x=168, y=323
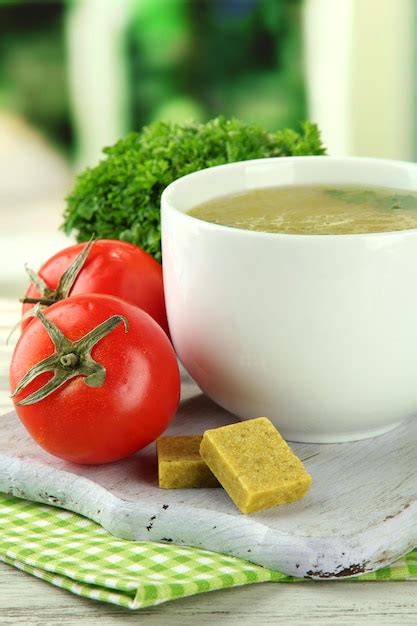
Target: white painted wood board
x=360, y=514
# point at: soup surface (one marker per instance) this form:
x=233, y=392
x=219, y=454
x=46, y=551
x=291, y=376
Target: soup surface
x=314, y=210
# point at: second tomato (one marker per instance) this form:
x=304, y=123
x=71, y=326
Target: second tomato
x=114, y=268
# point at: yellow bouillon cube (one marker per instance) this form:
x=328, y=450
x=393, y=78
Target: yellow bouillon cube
x=255, y=465
x=180, y=464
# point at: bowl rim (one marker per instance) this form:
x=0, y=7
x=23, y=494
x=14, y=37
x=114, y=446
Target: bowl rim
x=167, y=204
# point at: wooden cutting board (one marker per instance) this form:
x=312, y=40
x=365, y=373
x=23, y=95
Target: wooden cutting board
x=360, y=514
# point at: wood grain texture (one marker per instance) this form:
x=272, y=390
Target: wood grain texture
x=27, y=601
x=360, y=514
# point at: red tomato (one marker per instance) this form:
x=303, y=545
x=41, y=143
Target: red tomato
x=112, y=267
x=133, y=405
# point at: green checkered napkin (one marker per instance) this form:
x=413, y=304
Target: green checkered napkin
x=76, y=554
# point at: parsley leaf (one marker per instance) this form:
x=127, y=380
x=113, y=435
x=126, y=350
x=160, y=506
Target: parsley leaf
x=119, y=197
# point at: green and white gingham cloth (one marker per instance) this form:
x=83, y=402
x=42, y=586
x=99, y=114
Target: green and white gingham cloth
x=76, y=554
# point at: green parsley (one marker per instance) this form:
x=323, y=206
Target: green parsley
x=119, y=197
x=383, y=199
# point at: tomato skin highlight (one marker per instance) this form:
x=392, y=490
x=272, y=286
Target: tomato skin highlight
x=115, y=268
x=139, y=397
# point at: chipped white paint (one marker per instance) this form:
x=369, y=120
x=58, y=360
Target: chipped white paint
x=360, y=514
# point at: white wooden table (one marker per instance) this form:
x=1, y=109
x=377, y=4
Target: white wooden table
x=26, y=600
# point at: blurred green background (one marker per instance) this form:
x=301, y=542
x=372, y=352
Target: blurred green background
x=180, y=59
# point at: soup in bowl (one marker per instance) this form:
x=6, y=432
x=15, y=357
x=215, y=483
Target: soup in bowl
x=314, y=323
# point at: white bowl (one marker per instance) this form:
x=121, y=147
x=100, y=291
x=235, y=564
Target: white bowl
x=316, y=332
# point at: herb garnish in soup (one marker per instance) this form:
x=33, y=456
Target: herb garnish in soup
x=314, y=210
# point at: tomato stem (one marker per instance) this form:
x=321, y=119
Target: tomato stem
x=70, y=358
x=44, y=301
x=49, y=296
